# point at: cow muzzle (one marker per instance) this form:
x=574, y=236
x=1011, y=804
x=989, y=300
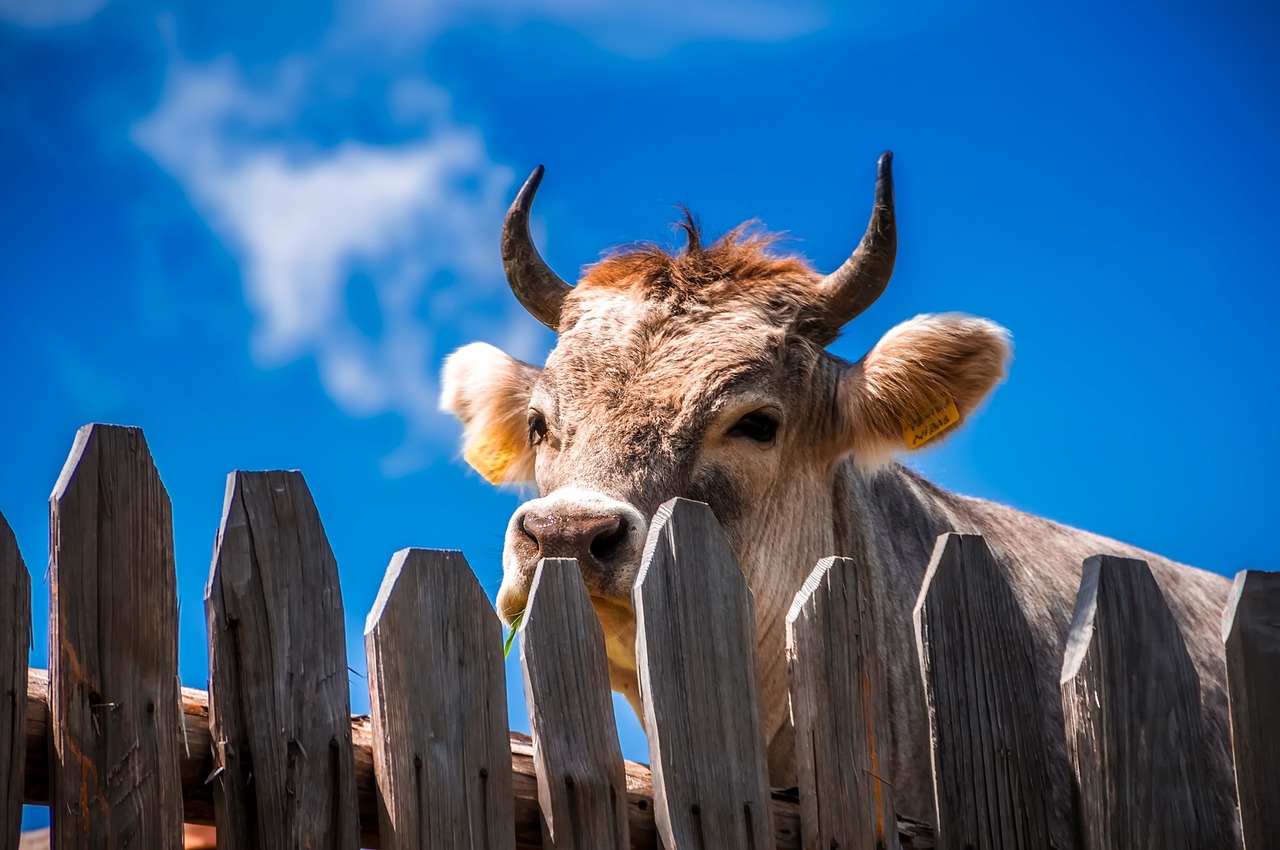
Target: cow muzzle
x=606, y=537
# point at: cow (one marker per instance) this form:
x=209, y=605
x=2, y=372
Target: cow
x=703, y=373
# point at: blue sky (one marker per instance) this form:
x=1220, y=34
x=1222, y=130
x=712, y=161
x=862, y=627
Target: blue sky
x=256, y=229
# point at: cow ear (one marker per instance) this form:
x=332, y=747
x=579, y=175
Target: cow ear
x=922, y=379
x=489, y=391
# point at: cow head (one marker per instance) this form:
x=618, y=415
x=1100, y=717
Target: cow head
x=703, y=374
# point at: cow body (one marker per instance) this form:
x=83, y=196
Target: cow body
x=703, y=374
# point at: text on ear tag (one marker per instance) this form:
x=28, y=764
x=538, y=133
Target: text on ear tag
x=491, y=455
x=920, y=429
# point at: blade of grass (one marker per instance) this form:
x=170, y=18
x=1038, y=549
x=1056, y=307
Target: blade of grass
x=511, y=633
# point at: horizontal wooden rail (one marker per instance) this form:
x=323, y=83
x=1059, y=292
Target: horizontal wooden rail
x=197, y=793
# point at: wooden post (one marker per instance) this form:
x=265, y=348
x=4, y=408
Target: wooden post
x=15, y=646
x=696, y=656
x=113, y=648
x=1251, y=632
x=839, y=707
x=990, y=746
x=1131, y=699
x=582, y=784
x=279, y=705
x=437, y=686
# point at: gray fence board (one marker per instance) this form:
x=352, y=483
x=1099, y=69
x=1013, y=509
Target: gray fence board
x=990, y=752
x=1251, y=633
x=1131, y=699
x=441, y=750
x=113, y=638
x=582, y=784
x=15, y=646
x=279, y=706
x=840, y=710
x=699, y=680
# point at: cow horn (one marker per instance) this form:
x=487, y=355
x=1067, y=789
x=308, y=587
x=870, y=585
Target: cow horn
x=539, y=289
x=856, y=285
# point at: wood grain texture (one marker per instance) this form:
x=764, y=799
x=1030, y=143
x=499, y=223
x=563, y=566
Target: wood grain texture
x=582, y=784
x=696, y=649
x=113, y=638
x=438, y=692
x=15, y=646
x=1131, y=699
x=1251, y=634
x=279, y=701
x=990, y=746
x=840, y=710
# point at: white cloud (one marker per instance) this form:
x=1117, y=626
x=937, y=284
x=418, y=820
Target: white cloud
x=303, y=220
x=44, y=14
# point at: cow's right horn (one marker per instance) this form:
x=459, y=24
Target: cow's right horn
x=856, y=285
x=539, y=289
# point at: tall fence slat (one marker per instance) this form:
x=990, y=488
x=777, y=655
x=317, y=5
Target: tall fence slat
x=1251, y=633
x=1131, y=700
x=279, y=705
x=696, y=651
x=583, y=786
x=15, y=646
x=990, y=750
x=113, y=647
x=441, y=750
x=840, y=710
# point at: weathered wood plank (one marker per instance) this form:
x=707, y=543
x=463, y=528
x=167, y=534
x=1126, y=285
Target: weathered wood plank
x=990, y=745
x=840, y=710
x=1251, y=633
x=583, y=786
x=1131, y=700
x=15, y=646
x=113, y=647
x=279, y=702
x=695, y=647
x=438, y=692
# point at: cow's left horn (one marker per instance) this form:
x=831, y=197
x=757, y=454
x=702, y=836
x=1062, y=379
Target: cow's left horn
x=539, y=289
x=856, y=285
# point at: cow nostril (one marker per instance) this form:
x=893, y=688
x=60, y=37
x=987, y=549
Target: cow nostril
x=607, y=542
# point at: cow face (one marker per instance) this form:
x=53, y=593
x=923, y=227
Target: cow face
x=703, y=374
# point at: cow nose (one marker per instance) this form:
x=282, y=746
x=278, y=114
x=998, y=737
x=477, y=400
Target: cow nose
x=589, y=539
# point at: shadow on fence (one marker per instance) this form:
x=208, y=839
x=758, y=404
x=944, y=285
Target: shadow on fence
x=123, y=756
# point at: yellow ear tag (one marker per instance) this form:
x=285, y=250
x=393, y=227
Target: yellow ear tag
x=492, y=455
x=941, y=416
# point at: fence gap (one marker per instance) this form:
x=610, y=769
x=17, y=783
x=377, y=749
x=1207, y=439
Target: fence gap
x=581, y=782
x=441, y=750
x=699, y=683
x=1251, y=633
x=15, y=646
x=113, y=648
x=989, y=738
x=1131, y=700
x=279, y=705
x=840, y=711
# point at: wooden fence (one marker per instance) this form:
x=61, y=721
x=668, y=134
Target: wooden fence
x=122, y=755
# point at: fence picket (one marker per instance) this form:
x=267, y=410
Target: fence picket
x=840, y=711
x=1251, y=633
x=279, y=706
x=698, y=676
x=582, y=784
x=441, y=751
x=113, y=638
x=15, y=645
x=990, y=745
x=1131, y=700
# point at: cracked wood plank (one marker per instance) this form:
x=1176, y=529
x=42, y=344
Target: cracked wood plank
x=437, y=687
x=15, y=647
x=113, y=636
x=279, y=709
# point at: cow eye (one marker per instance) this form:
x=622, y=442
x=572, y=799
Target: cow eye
x=758, y=426
x=537, y=427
